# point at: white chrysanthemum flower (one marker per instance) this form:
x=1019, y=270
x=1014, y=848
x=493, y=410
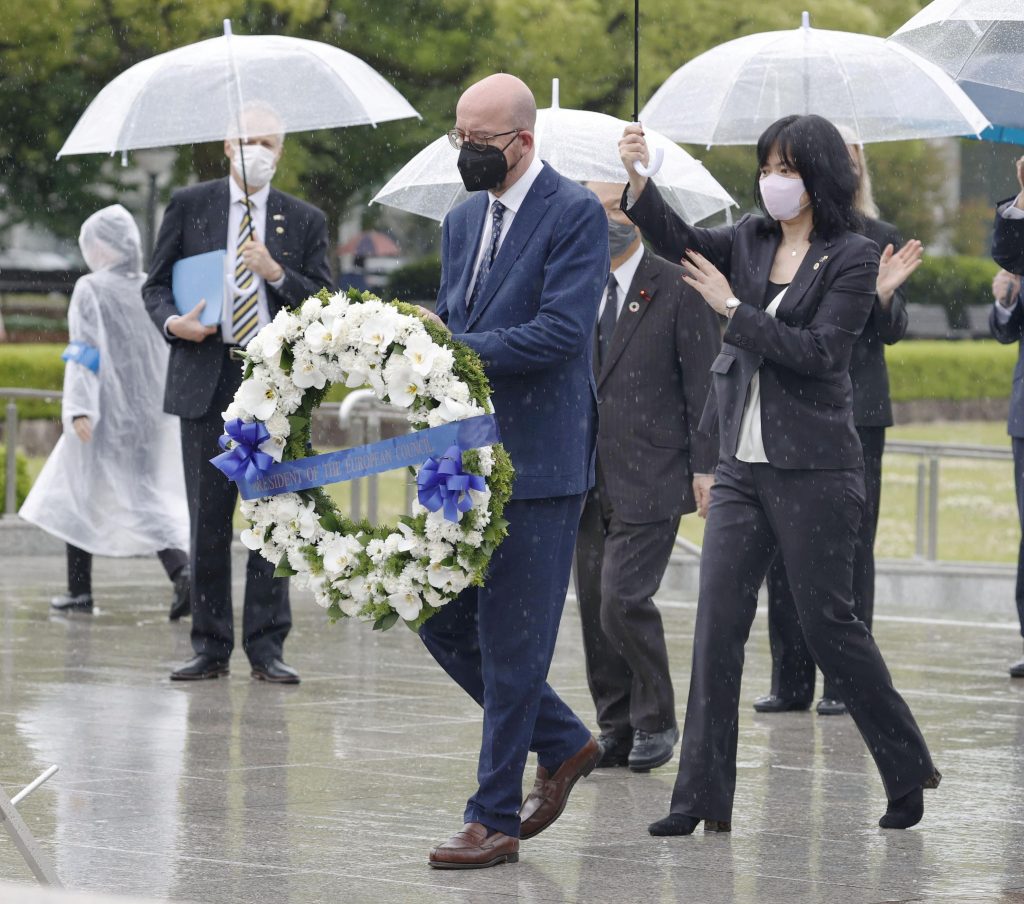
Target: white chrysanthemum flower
x=257, y=399
x=312, y=309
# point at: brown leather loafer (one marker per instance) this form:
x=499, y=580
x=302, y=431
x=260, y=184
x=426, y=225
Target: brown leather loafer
x=473, y=848
x=545, y=803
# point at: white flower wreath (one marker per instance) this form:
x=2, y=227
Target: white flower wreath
x=375, y=573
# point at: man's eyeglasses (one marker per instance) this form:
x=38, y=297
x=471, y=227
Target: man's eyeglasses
x=480, y=142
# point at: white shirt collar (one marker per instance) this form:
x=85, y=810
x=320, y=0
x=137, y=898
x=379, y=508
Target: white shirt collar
x=625, y=272
x=258, y=199
x=513, y=199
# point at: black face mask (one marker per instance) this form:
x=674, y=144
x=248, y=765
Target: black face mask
x=482, y=170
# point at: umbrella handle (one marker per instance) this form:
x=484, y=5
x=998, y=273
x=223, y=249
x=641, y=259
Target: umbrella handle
x=655, y=165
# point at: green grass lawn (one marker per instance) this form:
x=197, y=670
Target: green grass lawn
x=977, y=512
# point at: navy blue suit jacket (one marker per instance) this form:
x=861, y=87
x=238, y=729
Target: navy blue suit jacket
x=532, y=326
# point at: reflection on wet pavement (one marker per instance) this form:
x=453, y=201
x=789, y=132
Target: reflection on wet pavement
x=237, y=791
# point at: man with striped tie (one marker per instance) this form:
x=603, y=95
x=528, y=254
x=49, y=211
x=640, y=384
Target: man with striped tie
x=276, y=257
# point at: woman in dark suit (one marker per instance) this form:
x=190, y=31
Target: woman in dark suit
x=799, y=288
x=792, y=664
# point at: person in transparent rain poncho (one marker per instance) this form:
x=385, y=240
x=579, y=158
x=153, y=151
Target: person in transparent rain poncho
x=113, y=485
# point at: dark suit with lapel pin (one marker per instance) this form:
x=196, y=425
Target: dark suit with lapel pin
x=651, y=390
x=531, y=324
x=201, y=382
x=806, y=501
x=793, y=670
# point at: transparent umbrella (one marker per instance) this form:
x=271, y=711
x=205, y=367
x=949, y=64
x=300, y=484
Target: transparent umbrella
x=580, y=145
x=980, y=43
x=195, y=93
x=877, y=90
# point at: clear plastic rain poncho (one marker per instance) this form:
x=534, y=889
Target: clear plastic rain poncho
x=122, y=493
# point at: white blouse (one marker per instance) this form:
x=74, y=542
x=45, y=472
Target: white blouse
x=750, y=447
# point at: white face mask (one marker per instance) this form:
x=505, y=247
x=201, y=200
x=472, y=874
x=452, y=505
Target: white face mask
x=260, y=164
x=781, y=196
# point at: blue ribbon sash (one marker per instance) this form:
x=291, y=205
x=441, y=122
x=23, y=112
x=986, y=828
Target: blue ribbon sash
x=83, y=353
x=256, y=480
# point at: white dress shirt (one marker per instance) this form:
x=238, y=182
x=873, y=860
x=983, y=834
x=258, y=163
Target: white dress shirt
x=623, y=274
x=750, y=447
x=512, y=200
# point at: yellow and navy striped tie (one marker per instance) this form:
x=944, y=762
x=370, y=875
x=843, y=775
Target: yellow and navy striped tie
x=245, y=313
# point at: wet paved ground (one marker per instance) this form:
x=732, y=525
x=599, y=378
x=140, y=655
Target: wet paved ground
x=235, y=791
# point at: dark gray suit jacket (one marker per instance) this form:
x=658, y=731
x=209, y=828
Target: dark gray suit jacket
x=1013, y=331
x=871, y=403
x=651, y=390
x=1008, y=240
x=806, y=393
x=196, y=221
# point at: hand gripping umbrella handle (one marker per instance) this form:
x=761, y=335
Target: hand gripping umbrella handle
x=655, y=165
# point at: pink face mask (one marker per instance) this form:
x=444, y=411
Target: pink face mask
x=781, y=196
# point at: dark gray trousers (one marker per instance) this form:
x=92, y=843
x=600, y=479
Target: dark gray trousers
x=619, y=567
x=811, y=518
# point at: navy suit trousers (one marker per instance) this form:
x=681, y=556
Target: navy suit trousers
x=497, y=641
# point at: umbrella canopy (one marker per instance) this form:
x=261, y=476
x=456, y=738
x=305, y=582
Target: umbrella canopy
x=980, y=43
x=580, y=145
x=371, y=244
x=877, y=90
x=194, y=94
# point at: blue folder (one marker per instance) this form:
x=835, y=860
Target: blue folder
x=197, y=277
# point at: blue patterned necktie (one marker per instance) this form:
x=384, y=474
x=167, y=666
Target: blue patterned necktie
x=497, y=215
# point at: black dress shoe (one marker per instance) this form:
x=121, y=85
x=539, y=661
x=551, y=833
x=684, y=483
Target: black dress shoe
x=775, y=704
x=199, y=668
x=830, y=706
x=652, y=749
x=67, y=603
x=614, y=751
x=1017, y=669
x=181, y=602
x=275, y=671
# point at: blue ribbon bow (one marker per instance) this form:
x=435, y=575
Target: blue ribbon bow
x=244, y=457
x=443, y=483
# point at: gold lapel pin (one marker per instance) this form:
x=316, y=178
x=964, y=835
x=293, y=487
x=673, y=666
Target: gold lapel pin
x=280, y=229
x=820, y=261
x=634, y=306
x=278, y=216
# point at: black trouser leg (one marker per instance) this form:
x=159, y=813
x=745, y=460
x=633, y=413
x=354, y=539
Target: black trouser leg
x=79, y=571
x=816, y=516
x=1018, y=479
x=738, y=547
x=793, y=671
x=211, y=500
x=872, y=440
x=173, y=561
